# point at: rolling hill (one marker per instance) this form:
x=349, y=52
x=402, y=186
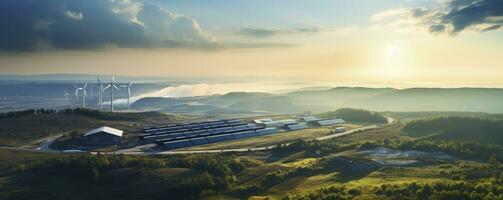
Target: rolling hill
x=379, y=99
x=466, y=129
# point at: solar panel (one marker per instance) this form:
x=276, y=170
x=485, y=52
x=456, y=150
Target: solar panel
x=240, y=128
x=149, y=138
x=199, y=141
x=232, y=121
x=200, y=131
x=224, y=129
x=177, y=135
x=267, y=131
x=245, y=134
x=294, y=127
x=206, y=134
x=220, y=138
x=251, y=126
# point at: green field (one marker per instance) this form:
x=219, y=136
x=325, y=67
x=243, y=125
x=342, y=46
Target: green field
x=28, y=130
x=274, y=139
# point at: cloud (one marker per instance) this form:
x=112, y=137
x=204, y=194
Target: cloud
x=266, y=32
x=35, y=25
x=437, y=28
x=492, y=28
x=464, y=14
x=74, y=15
x=448, y=16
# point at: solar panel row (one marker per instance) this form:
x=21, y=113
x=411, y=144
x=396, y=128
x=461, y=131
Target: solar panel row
x=186, y=135
x=190, y=127
x=267, y=131
x=294, y=127
x=327, y=122
x=202, y=124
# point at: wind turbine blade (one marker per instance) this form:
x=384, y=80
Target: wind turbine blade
x=116, y=87
x=76, y=92
x=128, y=92
x=85, y=85
x=130, y=84
x=124, y=86
x=75, y=86
x=85, y=93
x=98, y=78
x=107, y=87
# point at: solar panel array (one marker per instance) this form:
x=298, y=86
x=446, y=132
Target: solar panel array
x=295, y=127
x=327, y=122
x=191, y=134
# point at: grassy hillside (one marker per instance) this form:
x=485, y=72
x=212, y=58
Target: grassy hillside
x=458, y=129
x=439, y=99
x=356, y=115
x=26, y=129
x=433, y=114
x=304, y=170
x=313, y=170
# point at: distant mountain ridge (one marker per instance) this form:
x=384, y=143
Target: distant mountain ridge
x=79, y=77
x=488, y=100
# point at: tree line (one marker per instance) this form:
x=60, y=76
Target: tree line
x=28, y=112
x=98, y=114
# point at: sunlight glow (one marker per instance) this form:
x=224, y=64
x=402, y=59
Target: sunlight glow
x=393, y=51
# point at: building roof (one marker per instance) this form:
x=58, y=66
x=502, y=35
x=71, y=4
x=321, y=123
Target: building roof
x=105, y=129
x=294, y=127
x=260, y=121
x=309, y=118
x=330, y=122
x=279, y=123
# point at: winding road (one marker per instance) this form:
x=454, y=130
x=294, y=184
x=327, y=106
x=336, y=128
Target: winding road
x=44, y=146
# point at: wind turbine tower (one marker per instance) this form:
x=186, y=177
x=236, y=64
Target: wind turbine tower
x=84, y=94
x=128, y=93
x=66, y=98
x=112, y=85
x=100, y=93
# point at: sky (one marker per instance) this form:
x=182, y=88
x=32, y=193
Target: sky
x=341, y=41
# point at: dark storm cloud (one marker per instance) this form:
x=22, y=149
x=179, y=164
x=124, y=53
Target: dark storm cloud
x=265, y=33
x=38, y=25
x=28, y=25
x=448, y=16
x=458, y=15
x=464, y=13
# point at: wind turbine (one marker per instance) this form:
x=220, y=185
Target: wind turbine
x=66, y=97
x=91, y=88
x=84, y=94
x=113, y=85
x=100, y=93
x=128, y=93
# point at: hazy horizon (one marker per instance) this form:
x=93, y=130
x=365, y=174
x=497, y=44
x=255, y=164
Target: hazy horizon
x=70, y=78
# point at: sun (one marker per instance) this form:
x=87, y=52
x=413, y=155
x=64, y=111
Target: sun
x=390, y=61
x=393, y=51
